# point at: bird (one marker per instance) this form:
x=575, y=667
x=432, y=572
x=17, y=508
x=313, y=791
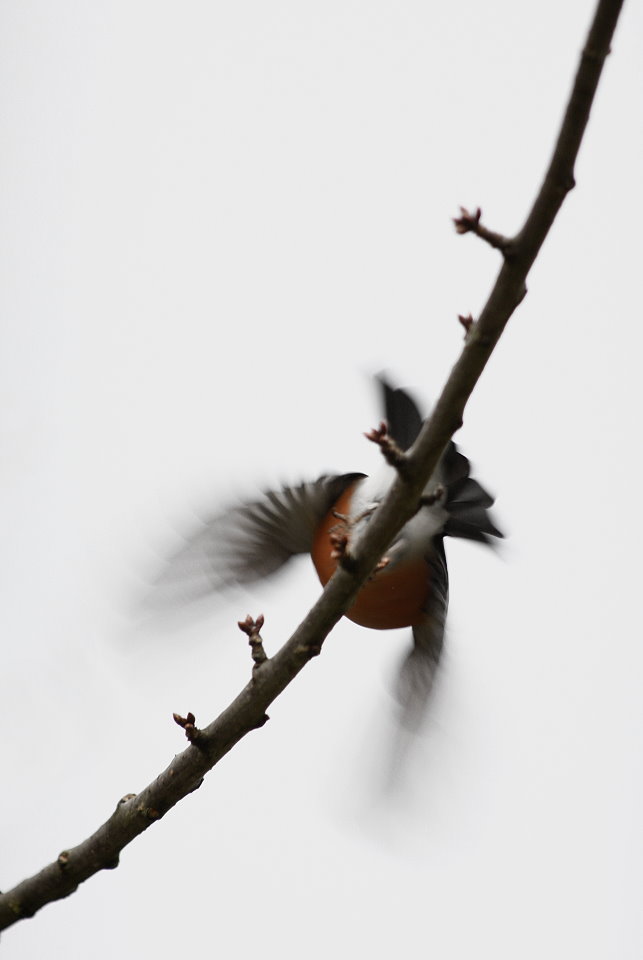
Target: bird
x=410, y=586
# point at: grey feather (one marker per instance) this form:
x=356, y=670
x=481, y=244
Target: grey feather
x=418, y=671
x=252, y=540
x=403, y=418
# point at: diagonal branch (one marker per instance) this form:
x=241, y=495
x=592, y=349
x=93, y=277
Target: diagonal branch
x=135, y=813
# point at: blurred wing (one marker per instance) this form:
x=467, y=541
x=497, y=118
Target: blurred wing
x=467, y=502
x=418, y=671
x=252, y=540
x=402, y=416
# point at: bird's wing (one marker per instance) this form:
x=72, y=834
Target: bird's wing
x=403, y=419
x=251, y=540
x=418, y=670
x=467, y=502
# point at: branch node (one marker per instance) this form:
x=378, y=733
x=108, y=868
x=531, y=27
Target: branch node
x=394, y=456
x=594, y=55
x=188, y=723
x=149, y=813
x=63, y=859
x=467, y=322
x=309, y=650
x=429, y=499
x=261, y=722
x=251, y=628
x=469, y=222
x=338, y=536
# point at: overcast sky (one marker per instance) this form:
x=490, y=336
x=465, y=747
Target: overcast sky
x=218, y=221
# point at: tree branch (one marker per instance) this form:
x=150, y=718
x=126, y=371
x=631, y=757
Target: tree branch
x=136, y=812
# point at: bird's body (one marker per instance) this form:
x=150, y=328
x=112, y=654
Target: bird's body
x=324, y=517
x=395, y=596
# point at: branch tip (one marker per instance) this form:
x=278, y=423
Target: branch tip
x=469, y=222
x=393, y=454
x=251, y=627
x=252, y=630
x=184, y=722
x=188, y=724
x=467, y=322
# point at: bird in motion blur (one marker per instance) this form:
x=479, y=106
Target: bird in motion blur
x=322, y=518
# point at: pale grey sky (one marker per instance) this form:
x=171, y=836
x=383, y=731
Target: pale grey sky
x=218, y=220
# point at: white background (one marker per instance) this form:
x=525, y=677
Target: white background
x=218, y=221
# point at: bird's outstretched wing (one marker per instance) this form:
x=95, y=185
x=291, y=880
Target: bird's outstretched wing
x=418, y=670
x=251, y=540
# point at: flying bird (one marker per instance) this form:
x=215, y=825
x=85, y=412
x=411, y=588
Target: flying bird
x=410, y=586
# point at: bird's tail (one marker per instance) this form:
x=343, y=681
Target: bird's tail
x=467, y=502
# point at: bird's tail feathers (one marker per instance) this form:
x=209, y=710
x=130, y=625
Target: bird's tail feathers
x=467, y=502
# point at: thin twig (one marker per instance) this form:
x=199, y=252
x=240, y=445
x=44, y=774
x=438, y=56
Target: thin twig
x=392, y=453
x=470, y=223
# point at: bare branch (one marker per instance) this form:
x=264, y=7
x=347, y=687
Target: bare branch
x=135, y=813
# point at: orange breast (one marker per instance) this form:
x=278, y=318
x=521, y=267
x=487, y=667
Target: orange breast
x=393, y=597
